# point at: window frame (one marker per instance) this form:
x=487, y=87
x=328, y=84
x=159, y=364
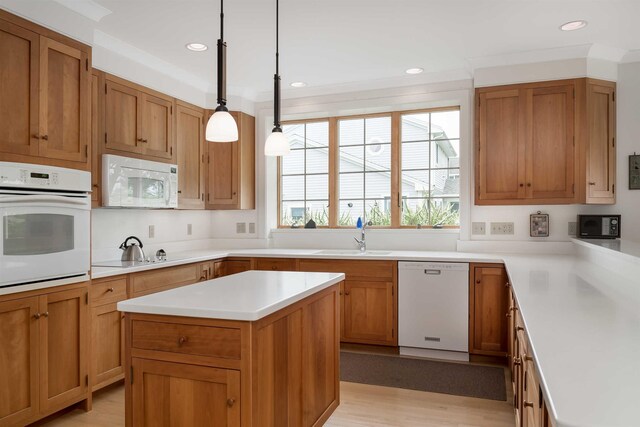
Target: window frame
x=396, y=167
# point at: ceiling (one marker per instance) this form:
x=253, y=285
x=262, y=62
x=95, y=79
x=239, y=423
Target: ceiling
x=329, y=42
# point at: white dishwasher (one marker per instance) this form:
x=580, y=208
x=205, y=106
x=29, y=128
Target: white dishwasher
x=433, y=309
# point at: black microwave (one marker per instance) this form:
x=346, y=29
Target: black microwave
x=598, y=226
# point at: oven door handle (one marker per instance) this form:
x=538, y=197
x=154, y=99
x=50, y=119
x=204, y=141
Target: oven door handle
x=43, y=198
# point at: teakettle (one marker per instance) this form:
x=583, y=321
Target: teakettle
x=133, y=251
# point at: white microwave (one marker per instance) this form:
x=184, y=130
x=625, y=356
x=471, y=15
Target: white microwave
x=136, y=183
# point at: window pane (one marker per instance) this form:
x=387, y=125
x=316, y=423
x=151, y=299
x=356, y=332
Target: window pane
x=415, y=184
x=378, y=212
x=318, y=212
x=351, y=132
x=349, y=213
x=445, y=183
x=378, y=130
x=445, y=153
x=351, y=186
x=415, y=127
x=292, y=213
x=415, y=212
x=377, y=185
x=317, y=134
x=292, y=188
x=415, y=155
x=317, y=187
x=352, y=159
x=293, y=163
x=295, y=133
x=317, y=160
x=445, y=124
x=378, y=157
x=444, y=211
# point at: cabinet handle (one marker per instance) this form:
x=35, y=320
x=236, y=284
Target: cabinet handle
x=139, y=140
x=528, y=358
x=519, y=328
x=110, y=290
x=144, y=140
x=35, y=136
x=517, y=361
x=527, y=404
x=36, y=316
x=45, y=137
x=478, y=281
x=528, y=184
x=230, y=402
x=508, y=314
x=592, y=183
x=204, y=276
x=340, y=292
x=182, y=340
x=521, y=185
x=45, y=314
x=506, y=285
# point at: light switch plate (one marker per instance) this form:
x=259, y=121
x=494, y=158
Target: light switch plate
x=478, y=228
x=189, y=229
x=241, y=227
x=152, y=231
x=252, y=228
x=503, y=228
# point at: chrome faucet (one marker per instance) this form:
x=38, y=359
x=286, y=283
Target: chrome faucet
x=362, y=243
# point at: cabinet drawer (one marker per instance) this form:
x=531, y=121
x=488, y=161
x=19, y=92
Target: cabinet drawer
x=371, y=270
x=163, y=279
x=199, y=340
x=276, y=264
x=108, y=291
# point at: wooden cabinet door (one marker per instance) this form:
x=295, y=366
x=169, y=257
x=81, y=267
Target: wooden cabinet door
x=368, y=312
x=190, y=152
x=64, y=347
x=222, y=174
x=233, y=266
x=500, y=168
x=157, y=125
x=551, y=159
x=601, y=152
x=96, y=133
x=488, y=306
x=122, y=118
x=107, y=345
x=18, y=360
x=166, y=394
x=19, y=92
x=64, y=102
x=149, y=282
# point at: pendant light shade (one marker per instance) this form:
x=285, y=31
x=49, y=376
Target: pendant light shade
x=222, y=127
x=277, y=144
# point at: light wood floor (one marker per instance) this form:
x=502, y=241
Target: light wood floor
x=360, y=405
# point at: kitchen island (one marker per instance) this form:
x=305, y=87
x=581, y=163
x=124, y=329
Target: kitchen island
x=254, y=349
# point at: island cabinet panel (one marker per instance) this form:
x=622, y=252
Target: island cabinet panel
x=169, y=394
x=488, y=307
x=280, y=370
x=19, y=334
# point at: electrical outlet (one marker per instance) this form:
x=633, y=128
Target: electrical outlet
x=241, y=227
x=478, y=228
x=501, y=228
x=152, y=231
x=573, y=228
x=189, y=229
x=252, y=228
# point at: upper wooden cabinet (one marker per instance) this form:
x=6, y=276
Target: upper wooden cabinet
x=546, y=143
x=191, y=155
x=44, y=96
x=138, y=121
x=231, y=168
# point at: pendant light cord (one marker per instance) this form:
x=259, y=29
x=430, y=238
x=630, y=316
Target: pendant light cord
x=221, y=19
x=278, y=37
x=276, y=77
x=222, y=65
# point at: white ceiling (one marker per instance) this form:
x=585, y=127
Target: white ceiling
x=329, y=42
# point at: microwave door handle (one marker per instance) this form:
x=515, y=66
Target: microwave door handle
x=37, y=198
x=167, y=193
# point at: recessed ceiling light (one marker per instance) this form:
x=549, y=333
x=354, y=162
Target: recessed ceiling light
x=414, y=70
x=298, y=84
x=197, y=47
x=573, y=25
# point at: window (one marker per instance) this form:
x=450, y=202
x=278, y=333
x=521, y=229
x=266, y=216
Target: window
x=304, y=175
x=394, y=169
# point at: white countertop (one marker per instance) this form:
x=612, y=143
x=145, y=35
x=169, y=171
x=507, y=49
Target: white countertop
x=248, y=296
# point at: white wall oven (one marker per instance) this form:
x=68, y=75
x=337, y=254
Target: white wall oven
x=44, y=224
x=136, y=183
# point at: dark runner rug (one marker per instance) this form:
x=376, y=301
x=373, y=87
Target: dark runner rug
x=485, y=382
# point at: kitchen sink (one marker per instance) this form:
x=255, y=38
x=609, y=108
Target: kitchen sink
x=350, y=252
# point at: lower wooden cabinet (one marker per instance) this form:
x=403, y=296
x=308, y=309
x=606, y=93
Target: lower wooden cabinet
x=44, y=352
x=178, y=394
x=232, y=266
x=488, y=306
x=276, y=264
x=163, y=279
x=369, y=312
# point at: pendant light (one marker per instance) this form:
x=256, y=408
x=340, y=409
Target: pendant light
x=222, y=127
x=277, y=143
